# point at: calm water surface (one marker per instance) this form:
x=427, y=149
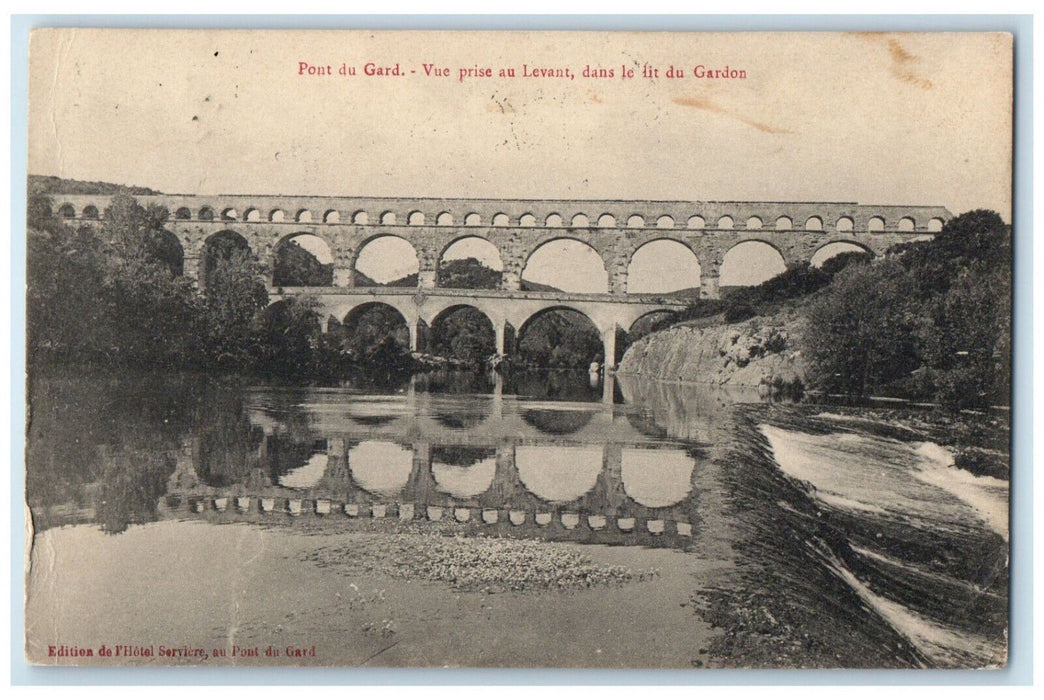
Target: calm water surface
x=560, y=456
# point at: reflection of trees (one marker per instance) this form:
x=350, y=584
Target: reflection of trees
x=101, y=439
x=556, y=422
x=287, y=452
x=462, y=416
x=455, y=382
x=228, y=445
x=561, y=385
x=131, y=484
x=461, y=455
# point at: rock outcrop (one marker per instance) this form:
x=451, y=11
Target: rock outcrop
x=758, y=352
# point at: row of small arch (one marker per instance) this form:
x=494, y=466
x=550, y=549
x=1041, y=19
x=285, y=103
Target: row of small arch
x=417, y=218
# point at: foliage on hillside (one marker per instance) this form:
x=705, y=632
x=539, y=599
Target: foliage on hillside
x=50, y=184
x=468, y=273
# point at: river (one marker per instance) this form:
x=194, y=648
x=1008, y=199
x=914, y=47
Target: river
x=454, y=519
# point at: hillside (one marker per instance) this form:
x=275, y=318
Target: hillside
x=50, y=184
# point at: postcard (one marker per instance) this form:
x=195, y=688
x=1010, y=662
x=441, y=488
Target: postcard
x=508, y=349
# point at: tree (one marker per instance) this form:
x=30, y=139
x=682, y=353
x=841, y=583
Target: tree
x=860, y=333
x=464, y=334
x=235, y=294
x=297, y=267
x=468, y=273
x=288, y=337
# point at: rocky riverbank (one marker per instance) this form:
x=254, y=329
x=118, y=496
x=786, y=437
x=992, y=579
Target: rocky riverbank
x=761, y=352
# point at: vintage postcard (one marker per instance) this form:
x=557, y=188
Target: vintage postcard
x=518, y=349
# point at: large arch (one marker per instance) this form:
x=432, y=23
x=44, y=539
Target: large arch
x=386, y=260
x=302, y=259
x=834, y=248
x=367, y=326
x=165, y=248
x=462, y=471
x=558, y=474
x=462, y=332
x=656, y=477
x=566, y=264
x=218, y=247
x=380, y=467
x=559, y=336
x=749, y=263
x=663, y=266
x=470, y=262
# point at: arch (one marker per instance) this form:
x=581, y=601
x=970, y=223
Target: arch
x=568, y=265
x=472, y=219
x=559, y=336
x=470, y=262
x=331, y=216
x=935, y=225
x=556, y=473
x=662, y=266
x=165, y=248
x=607, y=221
x=580, y=221
x=360, y=218
x=635, y=221
x=380, y=467
x=696, y=221
x=784, y=223
x=665, y=222
x=501, y=219
x=277, y=216
x=183, y=213
x=749, y=263
x=383, y=322
x=527, y=220
x=90, y=212
x=218, y=247
x=415, y=218
x=463, y=472
x=302, y=259
x=844, y=224
x=206, y=214
x=304, y=216
x=388, y=218
x=813, y=223
x=553, y=221
x=754, y=222
x=229, y=214
x=907, y=224
x=875, y=224
x=444, y=219
x=67, y=211
x=656, y=477
x=463, y=332
x=725, y=222
x=834, y=248
x=386, y=260
x=252, y=214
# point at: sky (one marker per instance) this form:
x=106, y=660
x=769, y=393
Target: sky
x=871, y=118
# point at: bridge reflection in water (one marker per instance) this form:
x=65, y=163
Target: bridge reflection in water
x=572, y=469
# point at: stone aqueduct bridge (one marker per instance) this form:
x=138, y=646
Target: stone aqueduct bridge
x=615, y=229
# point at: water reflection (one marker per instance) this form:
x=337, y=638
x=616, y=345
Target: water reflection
x=463, y=472
x=657, y=477
x=556, y=473
x=477, y=451
x=380, y=467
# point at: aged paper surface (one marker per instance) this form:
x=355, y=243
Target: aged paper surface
x=432, y=348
